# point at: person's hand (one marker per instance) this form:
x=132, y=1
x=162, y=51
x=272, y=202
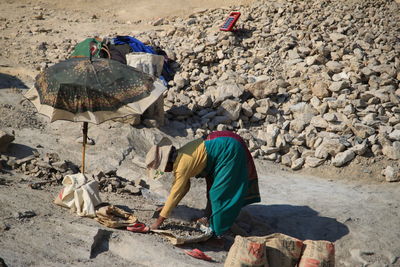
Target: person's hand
x=157, y=223
x=159, y=209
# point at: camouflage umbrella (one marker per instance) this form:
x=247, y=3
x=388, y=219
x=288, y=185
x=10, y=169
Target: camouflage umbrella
x=93, y=90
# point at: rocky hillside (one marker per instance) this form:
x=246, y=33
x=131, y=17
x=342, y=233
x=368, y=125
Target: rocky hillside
x=306, y=83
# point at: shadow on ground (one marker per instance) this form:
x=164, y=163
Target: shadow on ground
x=9, y=81
x=19, y=151
x=101, y=243
x=300, y=222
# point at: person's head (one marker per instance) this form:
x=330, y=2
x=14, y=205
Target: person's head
x=159, y=156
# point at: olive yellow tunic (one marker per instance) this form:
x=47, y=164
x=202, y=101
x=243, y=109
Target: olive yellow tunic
x=190, y=161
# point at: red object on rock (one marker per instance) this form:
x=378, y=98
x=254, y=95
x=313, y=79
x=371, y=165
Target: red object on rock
x=198, y=254
x=138, y=228
x=230, y=21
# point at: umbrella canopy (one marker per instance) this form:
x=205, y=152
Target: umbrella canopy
x=93, y=90
x=80, y=89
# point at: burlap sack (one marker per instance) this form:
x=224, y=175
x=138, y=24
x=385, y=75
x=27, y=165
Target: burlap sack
x=247, y=251
x=318, y=254
x=114, y=217
x=283, y=250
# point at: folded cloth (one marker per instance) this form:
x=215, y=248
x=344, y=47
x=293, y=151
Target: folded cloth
x=87, y=198
x=114, y=217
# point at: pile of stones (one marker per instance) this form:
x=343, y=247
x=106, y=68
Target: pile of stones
x=50, y=169
x=43, y=169
x=305, y=82
x=110, y=182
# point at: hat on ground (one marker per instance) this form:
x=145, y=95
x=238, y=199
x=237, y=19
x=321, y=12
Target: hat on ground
x=157, y=157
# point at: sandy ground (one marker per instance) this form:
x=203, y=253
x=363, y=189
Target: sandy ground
x=360, y=214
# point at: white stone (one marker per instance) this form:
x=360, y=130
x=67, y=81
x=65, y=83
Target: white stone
x=343, y=158
x=391, y=174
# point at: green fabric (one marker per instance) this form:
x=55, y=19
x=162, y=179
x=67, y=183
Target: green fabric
x=226, y=164
x=82, y=49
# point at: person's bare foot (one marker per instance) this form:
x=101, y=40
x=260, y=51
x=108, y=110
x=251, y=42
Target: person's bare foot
x=203, y=221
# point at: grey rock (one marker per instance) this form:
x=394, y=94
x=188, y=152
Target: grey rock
x=337, y=86
x=313, y=162
x=297, y=164
x=337, y=37
x=362, y=130
x=204, y=101
x=395, y=135
x=320, y=90
x=319, y=122
x=131, y=189
x=227, y=90
x=343, y=158
x=179, y=81
x=262, y=89
x=329, y=147
x=392, y=151
x=269, y=135
x=269, y=150
x=271, y=157
x=180, y=111
x=286, y=160
x=298, y=125
x=247, y=110
x=391, y=174
x=334, y=66
x=230, y=108
x=314, y=60
x=360, y=149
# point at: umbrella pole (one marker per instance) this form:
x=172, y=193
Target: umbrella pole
x=84, y=131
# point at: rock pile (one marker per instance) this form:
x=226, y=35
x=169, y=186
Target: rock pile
x=111, y=182
x=305, y=82
x=50, y=169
